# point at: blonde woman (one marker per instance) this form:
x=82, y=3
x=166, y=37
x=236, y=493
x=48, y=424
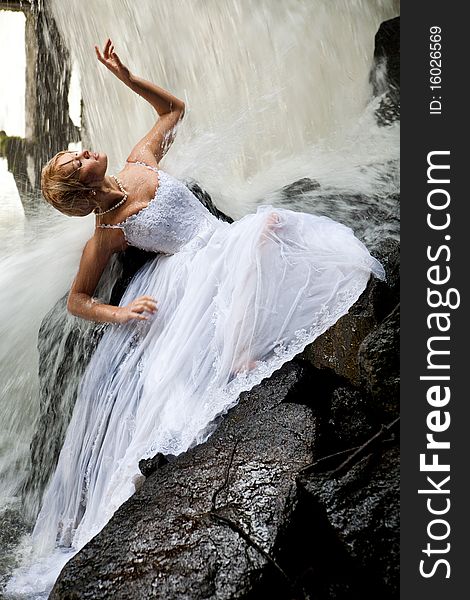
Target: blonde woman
x=219, y=308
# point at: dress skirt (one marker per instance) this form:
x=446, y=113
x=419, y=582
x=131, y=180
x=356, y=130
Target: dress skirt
x=233, y=306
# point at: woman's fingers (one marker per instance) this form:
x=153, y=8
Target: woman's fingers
x=106, y=48
x=140, y=308
x=116, y=59
x=98, y=54
x=103, y=57
x=144, y=303
x=138, y=316
x=111, y=60
x=149, y=301
x=145, y=299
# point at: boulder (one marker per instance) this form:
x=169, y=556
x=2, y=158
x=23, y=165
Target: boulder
x=379, y=364
x=12, y=528
x=358, y=513
x=205, y=524
x=385, y=76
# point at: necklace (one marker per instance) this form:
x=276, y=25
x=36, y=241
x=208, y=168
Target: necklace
x=123, y=199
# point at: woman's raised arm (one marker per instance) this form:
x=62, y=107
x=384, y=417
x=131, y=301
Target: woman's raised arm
x=153, y=146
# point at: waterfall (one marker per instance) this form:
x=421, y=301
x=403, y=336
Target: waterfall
x=273, y=93
x=276, y=94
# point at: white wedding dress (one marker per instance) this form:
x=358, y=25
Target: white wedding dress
x=235, y=302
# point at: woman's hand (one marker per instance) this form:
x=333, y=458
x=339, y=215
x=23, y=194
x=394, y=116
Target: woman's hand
x=135, y=310
x=111, y=61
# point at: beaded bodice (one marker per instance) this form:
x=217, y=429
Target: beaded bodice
x=172, y=219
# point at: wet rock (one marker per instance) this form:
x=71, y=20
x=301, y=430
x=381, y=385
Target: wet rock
x=148, y=466
x=12, y=528
x=349, y=420
x=387, y=47
x=205, y=524
x=385, y=76
x=301, y=186
x=358, y=513
x=206, y=201
x=379, y=363
x=338, y=347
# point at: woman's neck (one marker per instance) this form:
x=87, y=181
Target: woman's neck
x=109, y=194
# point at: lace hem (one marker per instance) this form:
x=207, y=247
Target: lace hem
x=225, y=399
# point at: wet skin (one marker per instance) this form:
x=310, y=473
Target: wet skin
x=91, y=165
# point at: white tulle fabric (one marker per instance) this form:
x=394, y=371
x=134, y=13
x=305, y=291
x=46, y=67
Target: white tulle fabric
x=228, y=295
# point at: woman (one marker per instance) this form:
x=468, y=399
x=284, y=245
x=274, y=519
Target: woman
x=234, y=303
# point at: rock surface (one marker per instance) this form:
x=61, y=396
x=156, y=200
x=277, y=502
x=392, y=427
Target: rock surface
x=386, y=75
x=359, y=513
x=379, y=362
x=205, y=524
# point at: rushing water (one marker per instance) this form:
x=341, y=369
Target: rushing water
x=275, y=93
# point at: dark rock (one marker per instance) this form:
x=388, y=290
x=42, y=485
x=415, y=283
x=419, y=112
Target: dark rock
x=148, y=466
x=337, y=348
x=206, y=201
x=379, y=364
x=204, y=525
x=349, y=422
x=387, y=46
x=12, y=528
x=359, y=516
x=386, y=294
x=130, y=261
x=385, y=76
x=301, y=186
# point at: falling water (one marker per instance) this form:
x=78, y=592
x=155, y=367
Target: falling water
x=276, y=93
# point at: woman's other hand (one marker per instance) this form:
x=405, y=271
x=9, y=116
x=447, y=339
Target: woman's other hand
x=136, y=309
x=111, y=61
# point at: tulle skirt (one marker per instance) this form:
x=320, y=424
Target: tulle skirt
x=232, y=309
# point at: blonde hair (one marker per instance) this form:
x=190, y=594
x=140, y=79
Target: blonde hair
x=65, y=192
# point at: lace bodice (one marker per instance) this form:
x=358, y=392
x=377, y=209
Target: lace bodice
x=172, y=219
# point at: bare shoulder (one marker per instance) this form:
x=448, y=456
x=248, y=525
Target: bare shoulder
x=139, y=181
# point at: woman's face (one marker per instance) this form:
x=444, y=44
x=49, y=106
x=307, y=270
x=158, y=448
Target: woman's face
x=91, y=166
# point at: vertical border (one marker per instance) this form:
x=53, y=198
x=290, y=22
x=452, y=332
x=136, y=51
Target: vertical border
x=422, y=133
